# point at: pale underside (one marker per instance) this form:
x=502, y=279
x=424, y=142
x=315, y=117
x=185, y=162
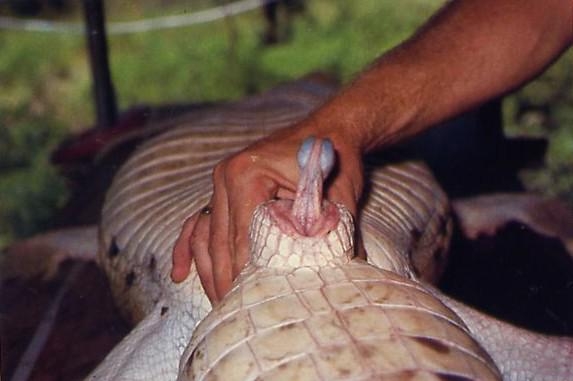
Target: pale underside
x=404, y=226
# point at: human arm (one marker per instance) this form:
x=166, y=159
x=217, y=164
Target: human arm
x=470, y=51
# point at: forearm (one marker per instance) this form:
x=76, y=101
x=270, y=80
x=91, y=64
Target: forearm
x=470, y=51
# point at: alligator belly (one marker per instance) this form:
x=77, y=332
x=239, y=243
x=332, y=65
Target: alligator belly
x=353, y=322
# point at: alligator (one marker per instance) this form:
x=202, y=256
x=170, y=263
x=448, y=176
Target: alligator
x=305, y=316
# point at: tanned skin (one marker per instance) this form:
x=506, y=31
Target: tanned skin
x=469, y=52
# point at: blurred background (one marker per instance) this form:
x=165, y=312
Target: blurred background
x=46, y=99
x=46, y=93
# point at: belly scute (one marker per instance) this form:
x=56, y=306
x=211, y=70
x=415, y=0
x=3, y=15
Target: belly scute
x=338, y=318
x=304, y=308
x=321, y=327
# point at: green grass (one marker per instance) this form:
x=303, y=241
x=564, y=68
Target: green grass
x=30, y=188
x=550, y=99
x=46, y=89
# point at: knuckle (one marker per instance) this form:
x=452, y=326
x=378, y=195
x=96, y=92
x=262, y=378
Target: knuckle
x=239, y=163
x=236, y=166
x=219, y=170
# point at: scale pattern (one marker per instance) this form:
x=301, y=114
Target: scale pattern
x=404, y=228
x=304, y=309
x=346, y=322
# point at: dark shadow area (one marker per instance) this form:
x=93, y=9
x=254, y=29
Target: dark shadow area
x=516, y=275
x=470, y=154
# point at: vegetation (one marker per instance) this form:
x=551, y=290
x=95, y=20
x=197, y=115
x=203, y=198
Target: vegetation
x=46, y=91
x=545, y=108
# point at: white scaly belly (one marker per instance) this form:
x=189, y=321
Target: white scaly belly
x=169, y=179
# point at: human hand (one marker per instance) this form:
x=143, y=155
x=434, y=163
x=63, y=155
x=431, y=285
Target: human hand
x=218, y=240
